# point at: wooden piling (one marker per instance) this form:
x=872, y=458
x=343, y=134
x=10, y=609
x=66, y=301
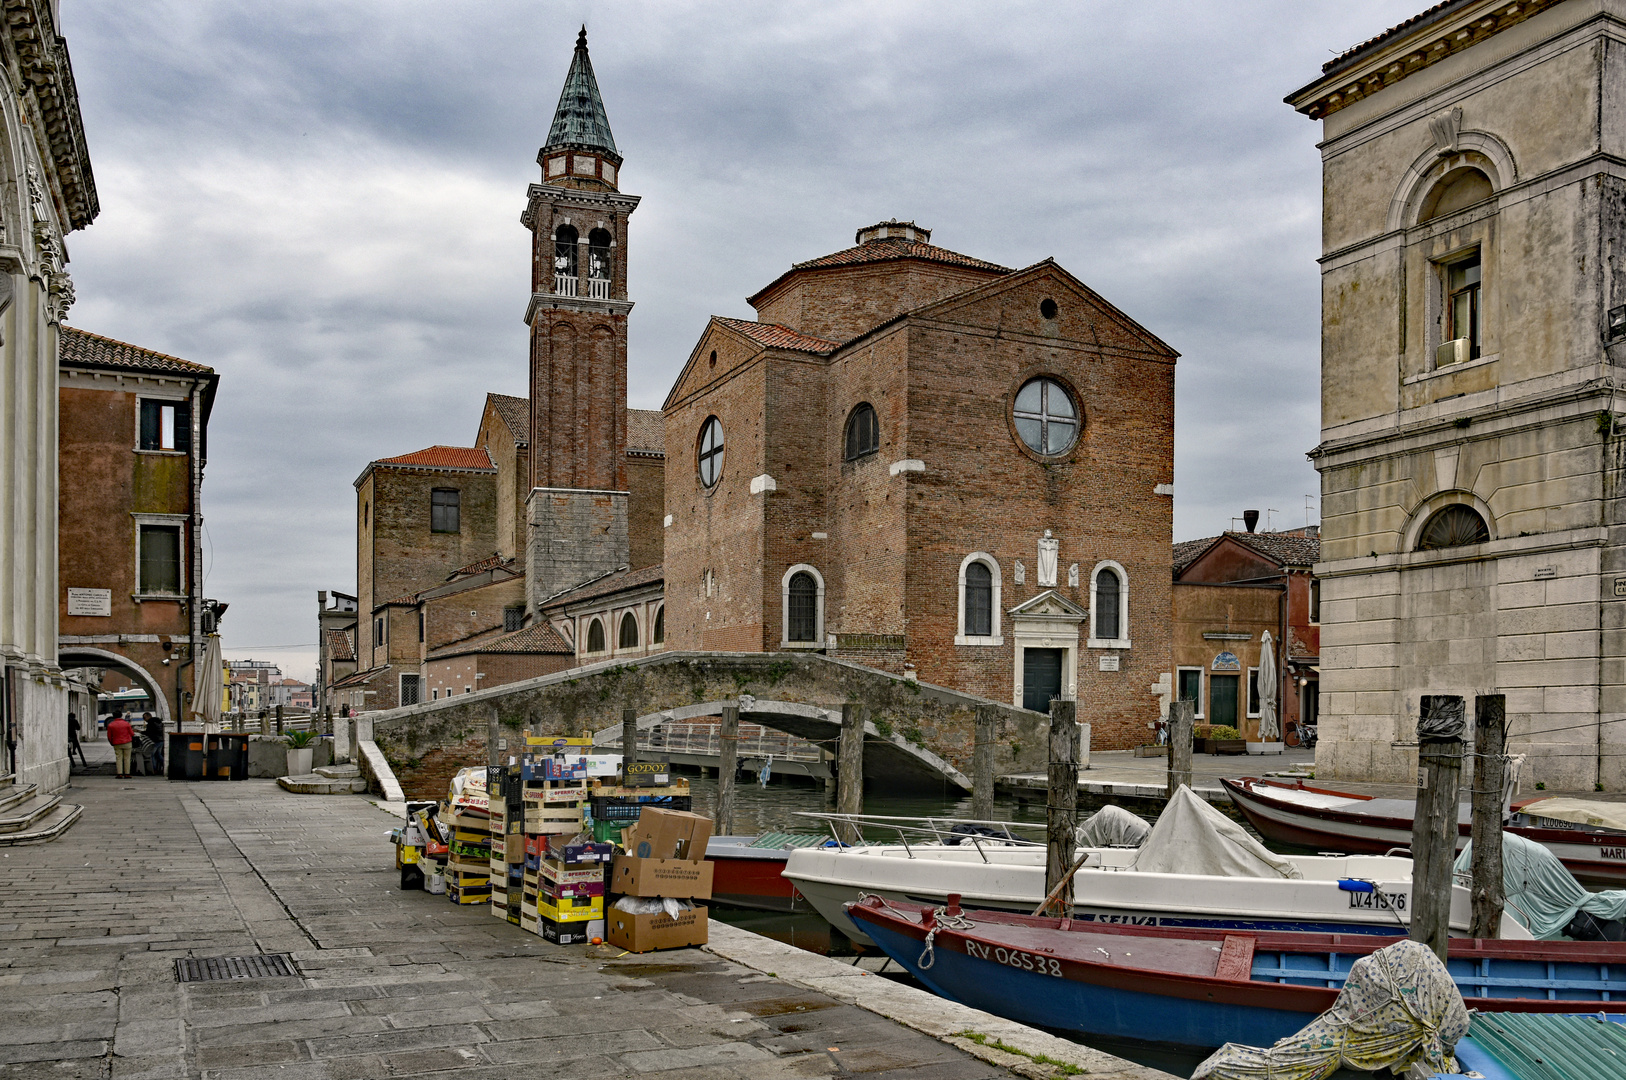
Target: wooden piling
x=1182, y=717
x=850, y=763
x=728, y=753
x=279, y=719
x=1490, y=742
x=1061, y=805
x=982, y=763
x=1434, y=826
x=629, y=735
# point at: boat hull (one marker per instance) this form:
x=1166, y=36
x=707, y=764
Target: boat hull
x=754, y=881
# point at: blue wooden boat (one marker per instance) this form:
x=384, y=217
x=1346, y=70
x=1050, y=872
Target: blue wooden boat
x=1200, y=988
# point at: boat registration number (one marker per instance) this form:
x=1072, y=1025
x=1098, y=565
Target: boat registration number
x=1042, y=965
x=1396, y=901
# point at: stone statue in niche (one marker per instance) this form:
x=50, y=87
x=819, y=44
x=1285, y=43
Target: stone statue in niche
x=1020, y=574
x=1072, y=576
x=1049, y=546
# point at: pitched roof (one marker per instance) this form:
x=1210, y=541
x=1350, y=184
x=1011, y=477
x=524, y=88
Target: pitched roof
x=1283, y=548
x=892, y=248
x=490, y=562
x=516, y=415
x=360, y=678
x=646, y=431
x=339, y=647
x=579, y=119
x=1186, y=551
x=92, y=350
x=620, y=581
x=444, y=457
x=775, y=336
x=537, y=638
x=1426, y=16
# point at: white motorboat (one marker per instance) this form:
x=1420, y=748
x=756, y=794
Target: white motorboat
x=1197, y=869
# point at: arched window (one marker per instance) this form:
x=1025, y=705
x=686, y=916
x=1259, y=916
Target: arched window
x=1452, y=526
x=1046, y=416
x=598, y=265
x=1109, y=606
x=979, y=601
x=564, y=260
x=629, y=632
x=803, y=607
x=863, y=432
x=659, y=635
x=595, y=636
x=710, y=455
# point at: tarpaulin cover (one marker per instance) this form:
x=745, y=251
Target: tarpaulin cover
x=1582, y=812
x=1541, y=894
x=1191, y=837
x=1113, y=826
x=1399, y=1006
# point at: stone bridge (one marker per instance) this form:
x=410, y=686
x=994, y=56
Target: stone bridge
x=918, y=736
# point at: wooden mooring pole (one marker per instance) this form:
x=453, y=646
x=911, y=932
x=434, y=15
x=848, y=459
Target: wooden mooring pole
x=1061, y=805
x=850, y=763
x=728, y=763
x=1490, y=742
x=1182, y=716
x=1434, y=826
x=629, y=735
x=982, y=763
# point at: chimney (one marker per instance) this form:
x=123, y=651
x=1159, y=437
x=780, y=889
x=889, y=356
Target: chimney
x=1250, y=518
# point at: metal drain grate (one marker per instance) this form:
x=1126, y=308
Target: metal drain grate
x=217, y=968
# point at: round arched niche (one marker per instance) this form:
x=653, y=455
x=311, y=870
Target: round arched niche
x=1474, y=150
x=1458, y=189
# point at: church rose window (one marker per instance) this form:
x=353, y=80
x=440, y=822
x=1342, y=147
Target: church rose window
x=804, y=607
x=1046, y=418
x=1453, y=526
x=979, y=600
x=711, y=451
x=863, y=432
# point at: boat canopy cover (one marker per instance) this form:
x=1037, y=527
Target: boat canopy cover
x=1581, y=811
x=1541, y=894
x=1191, y=837
x=1113, y=826
x=1398, y=1007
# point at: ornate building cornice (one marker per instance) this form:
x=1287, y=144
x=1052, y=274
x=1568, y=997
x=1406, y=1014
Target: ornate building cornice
x=549, y=302
x=611, y=201
x=45, y=71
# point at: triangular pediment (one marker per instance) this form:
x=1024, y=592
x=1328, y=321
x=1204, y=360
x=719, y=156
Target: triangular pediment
x=1049, y=604
x=732, y=348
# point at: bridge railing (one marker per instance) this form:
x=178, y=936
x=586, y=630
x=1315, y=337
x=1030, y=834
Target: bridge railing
x=754, y=741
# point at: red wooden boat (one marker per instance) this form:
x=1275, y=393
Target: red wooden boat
x=1202, y=988
x=1329, y=820
x=746, y=870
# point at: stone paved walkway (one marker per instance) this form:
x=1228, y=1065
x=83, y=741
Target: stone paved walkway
x=394, y=984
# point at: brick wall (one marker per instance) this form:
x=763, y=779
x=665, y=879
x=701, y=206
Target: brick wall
x=840, y=303
x=513, y=480
x=461, y=615
x=646, y=509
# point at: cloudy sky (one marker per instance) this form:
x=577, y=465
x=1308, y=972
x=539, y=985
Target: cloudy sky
x=321, y=200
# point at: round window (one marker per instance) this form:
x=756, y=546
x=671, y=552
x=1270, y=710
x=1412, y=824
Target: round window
x=1046, y=417
x=711, y=451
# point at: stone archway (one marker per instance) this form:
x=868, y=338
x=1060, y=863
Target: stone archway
x=72, y=656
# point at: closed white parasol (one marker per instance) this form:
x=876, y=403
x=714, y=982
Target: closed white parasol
x=1269, y=729
x=210, y=686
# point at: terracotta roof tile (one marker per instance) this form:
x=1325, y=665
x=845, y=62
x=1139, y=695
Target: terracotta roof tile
x=893, y=248
x=339, y=648
x=444, y=457
x=1186, y=551
x=360, y=678
x=1398, y=28
x=490, y=562
x=93, y=350
x=775, y=336
x=516, y=415
x=538, y=638
x=619, y=581
x=1283, y=548
x=646, y=430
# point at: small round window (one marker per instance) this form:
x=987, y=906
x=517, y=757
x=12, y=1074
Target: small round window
x=711, y=451
x=1046, y=416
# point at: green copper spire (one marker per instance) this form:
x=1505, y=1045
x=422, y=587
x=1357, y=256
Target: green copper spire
x=580, y=119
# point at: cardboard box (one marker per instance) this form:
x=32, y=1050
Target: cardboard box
x=641, y=933
x=553, y=890
x=568, y=849
x=679, y=878
x=468, y=895
x=570, y=933
x=646, y=774
x=605, y=765
x=553, y=870
x=668, y=834
x=567, y=909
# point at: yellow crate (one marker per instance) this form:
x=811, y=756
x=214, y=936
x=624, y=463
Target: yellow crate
x=572, y=909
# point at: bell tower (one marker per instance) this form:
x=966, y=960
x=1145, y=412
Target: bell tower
x=578, y=310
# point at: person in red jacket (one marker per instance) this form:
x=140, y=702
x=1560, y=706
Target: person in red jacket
x=122, y=736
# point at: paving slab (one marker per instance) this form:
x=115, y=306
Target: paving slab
x=398, y=984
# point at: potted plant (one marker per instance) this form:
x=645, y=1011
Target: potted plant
x=300, y=751
x=1224, y=739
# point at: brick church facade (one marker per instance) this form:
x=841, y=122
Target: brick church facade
x=914, y=459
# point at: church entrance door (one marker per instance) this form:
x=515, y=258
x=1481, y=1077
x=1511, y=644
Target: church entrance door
x=1041, y=678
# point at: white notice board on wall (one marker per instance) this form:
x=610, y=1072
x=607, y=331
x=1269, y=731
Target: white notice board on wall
x=90, y=601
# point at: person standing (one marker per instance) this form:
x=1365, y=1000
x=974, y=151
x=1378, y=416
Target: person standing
x=155, y=732
x=121, y=735
x=73, y=741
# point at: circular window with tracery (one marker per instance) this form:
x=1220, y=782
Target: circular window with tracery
x=1046, y=416
x=1453, y=526
x=710, y=454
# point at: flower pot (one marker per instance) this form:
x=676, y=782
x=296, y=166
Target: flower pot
x=299, y=761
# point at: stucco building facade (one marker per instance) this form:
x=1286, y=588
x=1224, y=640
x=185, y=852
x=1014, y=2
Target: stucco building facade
x=1473, y=328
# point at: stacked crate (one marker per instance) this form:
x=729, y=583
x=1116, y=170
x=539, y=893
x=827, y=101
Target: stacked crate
x=505, y=788
x=562, y=885
x=468, y=867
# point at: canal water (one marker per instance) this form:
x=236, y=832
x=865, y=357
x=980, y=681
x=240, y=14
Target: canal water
x=777, y=808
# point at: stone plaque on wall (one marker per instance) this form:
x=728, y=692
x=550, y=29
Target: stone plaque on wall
x=90, y=601
x=1109, y=662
